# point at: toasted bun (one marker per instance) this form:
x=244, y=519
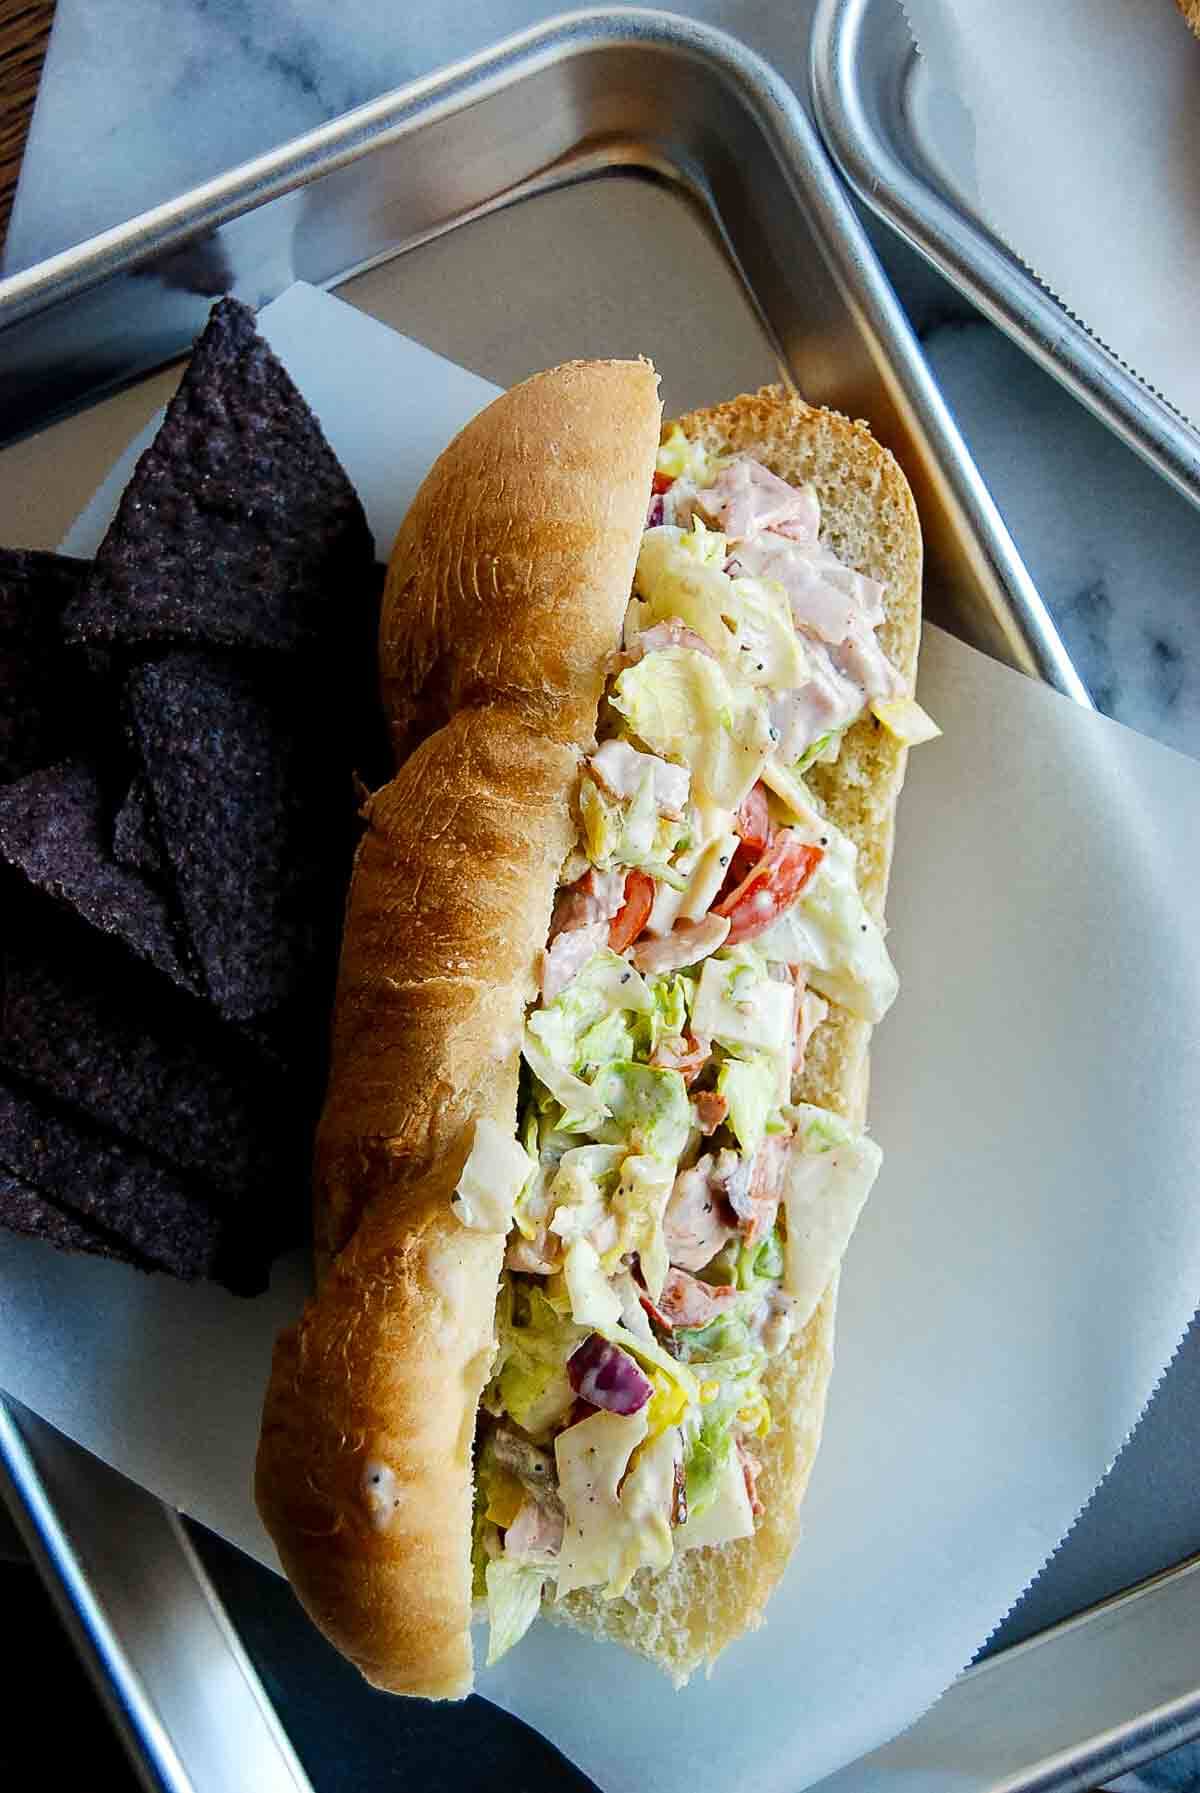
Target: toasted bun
x=685, y=1615
x=507, y=588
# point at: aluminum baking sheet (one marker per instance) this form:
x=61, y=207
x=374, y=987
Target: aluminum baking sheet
x=872, y=106
x=788, y=281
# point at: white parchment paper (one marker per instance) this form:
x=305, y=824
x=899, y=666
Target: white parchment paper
x=1022, y=1275
x=1087, y=157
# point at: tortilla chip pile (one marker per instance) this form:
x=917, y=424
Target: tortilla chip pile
x=180, y=723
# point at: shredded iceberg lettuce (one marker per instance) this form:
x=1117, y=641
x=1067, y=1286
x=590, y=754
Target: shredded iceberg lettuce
x=681, y=704
x=634, y=833
x=649, y=1109
x=827, y=1182
x=746, y=622
x=534, y=1344
x=751, y=1088
x=496, y=1171
x=514, y=1597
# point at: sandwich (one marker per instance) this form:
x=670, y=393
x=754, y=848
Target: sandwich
x=593, y=1144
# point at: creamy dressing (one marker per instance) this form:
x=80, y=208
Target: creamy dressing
x=666, y=1198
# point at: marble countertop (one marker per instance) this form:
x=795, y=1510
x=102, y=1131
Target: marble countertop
x=140, y=99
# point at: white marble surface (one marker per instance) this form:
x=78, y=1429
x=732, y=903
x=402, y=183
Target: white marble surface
x=142, y=98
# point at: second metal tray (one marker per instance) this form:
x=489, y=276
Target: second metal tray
x=868, y=92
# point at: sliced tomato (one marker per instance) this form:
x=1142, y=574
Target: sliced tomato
x=753, y=819
x=662, y=482
x=775, y=882
x=752, y=822
x=634, y=912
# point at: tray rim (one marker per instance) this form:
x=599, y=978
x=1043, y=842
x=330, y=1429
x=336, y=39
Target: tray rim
x=888, y=175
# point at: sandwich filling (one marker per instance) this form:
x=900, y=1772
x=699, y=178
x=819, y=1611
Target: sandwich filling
x=672, y=1216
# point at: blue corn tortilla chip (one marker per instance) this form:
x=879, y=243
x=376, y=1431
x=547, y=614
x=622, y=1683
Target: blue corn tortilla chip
x=103, y=1181
x=122, y=1045
x=45, y=699
x=239, y=527
x=136, y=840
x=244, y=793
x=24, y=1209
x=54, y=834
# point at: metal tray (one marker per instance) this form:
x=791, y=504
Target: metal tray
x=606, y=184
x=869, y=93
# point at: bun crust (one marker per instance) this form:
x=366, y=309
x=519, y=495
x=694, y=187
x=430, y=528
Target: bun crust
x=507, y=589
x=506, y=592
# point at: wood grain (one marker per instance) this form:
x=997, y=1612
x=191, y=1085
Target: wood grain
x=24, y=34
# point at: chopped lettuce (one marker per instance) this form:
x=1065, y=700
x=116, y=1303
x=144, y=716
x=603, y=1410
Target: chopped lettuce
x=671, y=996
x=738, y=1005
x=610, y=1037
x=630, y=834
x=829, y=929
x=639, y=1204
x=724, y=1511
x=581, y=1111
x=681, y=704
x=576, y=1032
x=594, y=1301
x=514, y=1597
x=707, y=1451
x=680, y=459
x=730, y=1393
x=534, y=1343
x=828, y=1181
x=746, y=622
x=496, y=1171
x=819, y=1128
x=762, y=1262
x=728, y=1337
x=823, y=750
x=606, y=983
x=649, y=1109
x=751, y=1088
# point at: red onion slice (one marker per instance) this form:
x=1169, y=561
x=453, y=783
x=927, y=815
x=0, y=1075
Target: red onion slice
x=608, y=1377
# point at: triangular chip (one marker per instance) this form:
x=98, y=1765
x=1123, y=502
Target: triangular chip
x=54, y=832
x=241, y=785
x=24, y=1209
x=44, y=697
x=239, y=527
x=119, y=1043
x=99, y=1179
x=136, y=840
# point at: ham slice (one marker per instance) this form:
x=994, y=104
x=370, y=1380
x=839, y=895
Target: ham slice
x=686, y=944
x=696, y=1224
x=620, y=769
x=567, y=955
x=746, y=498
x=685, y=1301
x=597, y=896
x=537, y=1531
